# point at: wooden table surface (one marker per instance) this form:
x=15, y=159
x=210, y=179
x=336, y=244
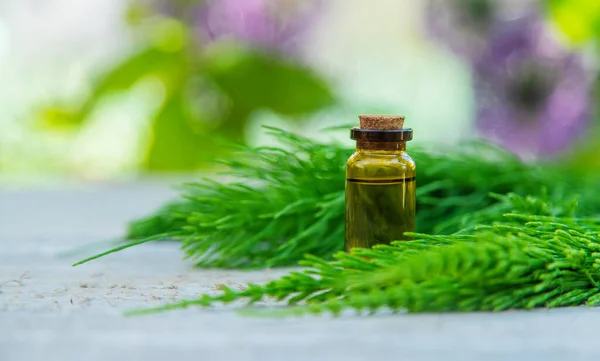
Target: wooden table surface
x=51, y=311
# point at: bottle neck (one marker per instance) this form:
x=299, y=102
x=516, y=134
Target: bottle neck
x=383, y=146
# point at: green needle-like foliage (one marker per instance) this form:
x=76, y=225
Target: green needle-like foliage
x=288, y=201
x=523, y=261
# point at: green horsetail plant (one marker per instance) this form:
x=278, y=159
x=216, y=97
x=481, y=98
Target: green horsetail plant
x=524, y=261
x=288, y=201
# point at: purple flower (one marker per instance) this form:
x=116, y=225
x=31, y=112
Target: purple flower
x=533, y=96
x=467, y=26
x=462, y=26
x=271, y=25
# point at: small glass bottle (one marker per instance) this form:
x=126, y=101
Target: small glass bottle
x=380, y=183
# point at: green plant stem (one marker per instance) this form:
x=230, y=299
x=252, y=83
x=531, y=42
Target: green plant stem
x=128, y=245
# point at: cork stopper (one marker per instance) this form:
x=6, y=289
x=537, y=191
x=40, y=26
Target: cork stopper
x=381, y=122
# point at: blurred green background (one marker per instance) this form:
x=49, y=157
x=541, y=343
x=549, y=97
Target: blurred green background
x=115, y=89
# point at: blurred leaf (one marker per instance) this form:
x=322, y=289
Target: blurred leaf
x=584, y=157
x=136, y=12
x=194, y=123
x=234, y=123
x=149, y=62
x=175, y=145
x=251, y=81
x=169, y=35
x=578, y=19
x=256, y=80
x=59, y=118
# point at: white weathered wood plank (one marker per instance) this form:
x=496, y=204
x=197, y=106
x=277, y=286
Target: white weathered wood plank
x=51, y=311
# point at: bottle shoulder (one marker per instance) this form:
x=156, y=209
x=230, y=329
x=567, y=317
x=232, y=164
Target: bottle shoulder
x=400, y=159
x=374, y=164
